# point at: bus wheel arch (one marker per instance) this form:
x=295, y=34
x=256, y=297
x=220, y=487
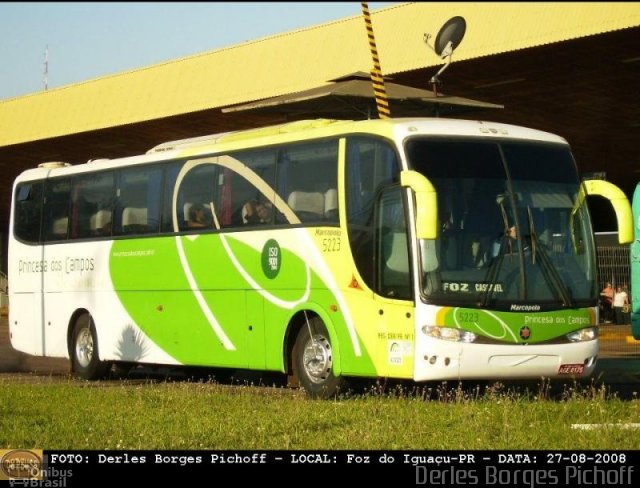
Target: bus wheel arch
x=312, y=356
x=83, y=347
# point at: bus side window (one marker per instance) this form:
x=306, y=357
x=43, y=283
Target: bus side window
x=139, y=201
x=197, y=188
x=56, y=209
x=371, y=165
x=393, y=250
x=307, y=180
x=91, y=203
x=28, y=211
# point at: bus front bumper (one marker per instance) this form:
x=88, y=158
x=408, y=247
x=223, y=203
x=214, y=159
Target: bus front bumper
x=442, y=360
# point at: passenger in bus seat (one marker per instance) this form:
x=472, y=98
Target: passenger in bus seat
x=198, y=217
x=255, y=212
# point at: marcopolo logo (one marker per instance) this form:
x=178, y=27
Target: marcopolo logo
x=271, y=258
x=525, y=333
x=25, y=464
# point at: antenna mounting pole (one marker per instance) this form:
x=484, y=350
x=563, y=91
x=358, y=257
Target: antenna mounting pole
x=46, y=67
x=448, y=38
x=377, y=80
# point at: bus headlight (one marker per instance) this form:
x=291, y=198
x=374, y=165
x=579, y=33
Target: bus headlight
x=588, y=334
x=448, y=334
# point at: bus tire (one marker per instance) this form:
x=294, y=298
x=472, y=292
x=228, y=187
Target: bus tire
x=84, y=349
x=313, y=361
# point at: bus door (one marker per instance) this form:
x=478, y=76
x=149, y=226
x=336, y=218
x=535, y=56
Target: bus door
x=394, y=296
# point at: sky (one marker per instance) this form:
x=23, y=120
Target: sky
x=88, y=40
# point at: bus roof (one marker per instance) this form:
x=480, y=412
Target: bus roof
x=435, y=126
x=398, y=129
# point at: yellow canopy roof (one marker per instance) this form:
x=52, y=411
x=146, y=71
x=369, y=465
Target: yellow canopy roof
x=300, y=60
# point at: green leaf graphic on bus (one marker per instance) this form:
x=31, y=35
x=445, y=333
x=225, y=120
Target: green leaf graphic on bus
x=209, y=326
x=153, y=288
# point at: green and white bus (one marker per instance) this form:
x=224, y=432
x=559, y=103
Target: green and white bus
x=423, y=249
x=635, y=267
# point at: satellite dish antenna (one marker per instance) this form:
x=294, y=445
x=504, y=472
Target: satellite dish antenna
x=448, y=39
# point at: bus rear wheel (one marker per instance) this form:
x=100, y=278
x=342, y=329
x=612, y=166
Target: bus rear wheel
x=84, y=350
x=313, y=361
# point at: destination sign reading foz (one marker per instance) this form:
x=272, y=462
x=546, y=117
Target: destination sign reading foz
x=471, y=287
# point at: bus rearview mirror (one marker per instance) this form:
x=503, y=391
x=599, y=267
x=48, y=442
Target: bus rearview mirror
x=620, y=204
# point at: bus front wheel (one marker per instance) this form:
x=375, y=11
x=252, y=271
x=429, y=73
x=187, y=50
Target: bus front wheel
x=313, y=361
x=85, y=359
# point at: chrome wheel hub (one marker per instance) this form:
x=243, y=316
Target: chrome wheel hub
x=84, y=347
x=317, y=359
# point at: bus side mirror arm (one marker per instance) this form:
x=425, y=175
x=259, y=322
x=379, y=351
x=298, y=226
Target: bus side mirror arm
x=620, y=204
x=426, y=203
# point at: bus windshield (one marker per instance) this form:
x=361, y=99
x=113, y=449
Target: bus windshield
x=513, y=234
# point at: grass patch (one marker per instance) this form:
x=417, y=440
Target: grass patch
x=73, y=414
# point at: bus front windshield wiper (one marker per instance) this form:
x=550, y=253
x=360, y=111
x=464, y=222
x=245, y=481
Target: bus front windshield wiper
x=496, y=264
x=546, y=265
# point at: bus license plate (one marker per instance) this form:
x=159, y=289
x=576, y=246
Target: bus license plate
x=571, y=369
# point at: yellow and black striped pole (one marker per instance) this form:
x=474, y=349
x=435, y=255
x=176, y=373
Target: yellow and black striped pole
x=376, y=73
